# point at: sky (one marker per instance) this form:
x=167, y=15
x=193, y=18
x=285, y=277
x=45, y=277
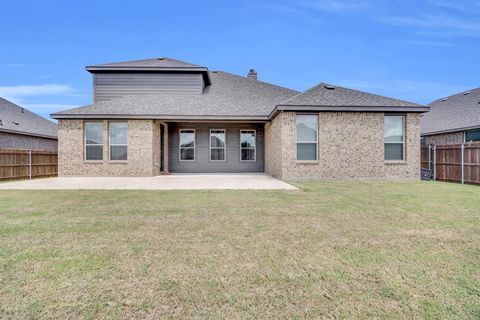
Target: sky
x=418, y=51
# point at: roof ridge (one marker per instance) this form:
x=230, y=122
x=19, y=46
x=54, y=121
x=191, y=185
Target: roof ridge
x=254, y=80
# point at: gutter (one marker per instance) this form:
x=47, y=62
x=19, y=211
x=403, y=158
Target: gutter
x=159, y=117
x=432, y=133
x=23, y=133
x=321, y=108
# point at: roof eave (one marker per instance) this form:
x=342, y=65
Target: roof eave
x=431, y=133
x=322, y=108
x=159, y=117
x=31, y=134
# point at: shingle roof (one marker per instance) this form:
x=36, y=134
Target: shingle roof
x=229, y=95
x=454, y=113
x=148, y=63
x=325, y=94
x=14, y=118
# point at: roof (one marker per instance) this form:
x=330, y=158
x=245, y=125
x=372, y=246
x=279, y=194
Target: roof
x=152, y=65
x=458, y=112
x=16, y=119
x=148, y=63
x=325, y=97
x=228, y=97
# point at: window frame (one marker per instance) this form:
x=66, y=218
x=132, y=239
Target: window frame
x=254, y=147
x=465, y=135
x=316, y=115
x=404, y=155
x=116, y=144
x=194, y=145
x=85, y=144
x=210, y=145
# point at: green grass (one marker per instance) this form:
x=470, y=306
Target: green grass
x=334, y=249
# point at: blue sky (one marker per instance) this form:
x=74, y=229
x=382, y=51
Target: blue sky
x=414, y=50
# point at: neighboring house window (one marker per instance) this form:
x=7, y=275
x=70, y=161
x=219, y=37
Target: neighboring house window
x=422, y=140
x=187, y=145
x=93, y=141
x=217, y=144
x=471, y=136
x=307, y=137
x=394, y=137
x=247, y=145
x=117, y=137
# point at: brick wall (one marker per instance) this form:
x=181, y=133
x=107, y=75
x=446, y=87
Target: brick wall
x=19, y=141
x=350, y=146
x=143, y=151
x=445, y=138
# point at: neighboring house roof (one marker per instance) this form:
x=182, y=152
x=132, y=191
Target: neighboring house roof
x=228, y=97
x=458, y=112
x=148, y=65
x=328, y=97
x=16, y=119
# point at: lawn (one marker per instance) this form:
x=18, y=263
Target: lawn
x=333, y=249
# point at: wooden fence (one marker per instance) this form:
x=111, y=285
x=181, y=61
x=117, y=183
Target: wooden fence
x=26, y=164
x=454, y=163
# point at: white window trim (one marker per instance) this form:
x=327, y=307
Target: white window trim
x=116, y=144
x=194, y=145
x=91, y=144
x=305, y=142
x=224, y=147
x=403, y=139
x=254, y=147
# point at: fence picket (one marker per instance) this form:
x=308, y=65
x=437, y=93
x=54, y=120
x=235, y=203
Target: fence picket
x=27, y=164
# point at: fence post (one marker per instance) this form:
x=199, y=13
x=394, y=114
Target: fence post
x=434, y=162
x=463, y=163
x=429, y=157
x=29, y=164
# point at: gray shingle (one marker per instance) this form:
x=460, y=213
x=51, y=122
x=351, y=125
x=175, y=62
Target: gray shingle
x=325, y=94
x=228, y=96
x=148, y=63
x=14, y=118
x=456, y=112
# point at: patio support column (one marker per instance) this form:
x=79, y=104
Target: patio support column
x=165, y=147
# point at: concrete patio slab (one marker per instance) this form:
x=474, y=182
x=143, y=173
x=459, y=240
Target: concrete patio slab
x=167, y=182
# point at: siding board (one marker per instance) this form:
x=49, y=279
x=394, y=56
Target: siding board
x=113, y=85
x=202, y=163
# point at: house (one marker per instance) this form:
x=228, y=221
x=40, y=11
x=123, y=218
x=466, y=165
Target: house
x=163, y=115
x=454, y=119
x=22, y=129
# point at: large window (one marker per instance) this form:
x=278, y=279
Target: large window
x=217, y=145
x=117, y=137
x=187, y=145
x=93, y=141
x=394, y=138
x=307, y=137
x=247, y=145
x=471, y=136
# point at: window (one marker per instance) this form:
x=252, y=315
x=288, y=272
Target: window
x=247, y=145
x=217, y=145
x=394, y=137
x=471, y=136
x=187, y=145
x=93, y=141
x=117, y=137
x=423, y=141
x=307, y=137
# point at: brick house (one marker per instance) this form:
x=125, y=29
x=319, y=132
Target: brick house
x=163, y=115
x=22, y=129
x=453, y=120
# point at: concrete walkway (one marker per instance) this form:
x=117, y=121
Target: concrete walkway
x=168, y=182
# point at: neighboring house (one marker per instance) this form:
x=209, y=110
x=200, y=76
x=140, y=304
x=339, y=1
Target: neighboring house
x=451, y=120
x=22, y=129
x=162, y=115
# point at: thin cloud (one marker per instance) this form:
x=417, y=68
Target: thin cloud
x=432, y=43
x=20, y=91
x=334, y=5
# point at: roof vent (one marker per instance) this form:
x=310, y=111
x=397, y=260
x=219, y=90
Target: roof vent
x=1, y=123
x=329, y=87
x=22, y=111
x=252, y=74
x=465, y=93
x=161, y=59
x=444, y=99
x=16, y=123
